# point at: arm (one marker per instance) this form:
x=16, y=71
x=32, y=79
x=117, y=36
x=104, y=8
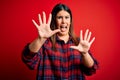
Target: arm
x=91, y=69
x=36, y=44
x=89, y=64
x=83, y=47
x=33, y=51
x=87, y=60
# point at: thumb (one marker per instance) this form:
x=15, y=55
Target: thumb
x=74, y=47
x=56, y=30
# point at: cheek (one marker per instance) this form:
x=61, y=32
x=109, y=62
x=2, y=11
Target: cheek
x=69, y=23
x=58, y=23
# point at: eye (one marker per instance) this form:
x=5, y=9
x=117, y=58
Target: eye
x=59, y=17
x=67, y=17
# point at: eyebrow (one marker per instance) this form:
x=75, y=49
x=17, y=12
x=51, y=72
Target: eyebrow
x=62, y=15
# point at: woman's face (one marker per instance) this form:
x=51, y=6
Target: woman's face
x=63, y=20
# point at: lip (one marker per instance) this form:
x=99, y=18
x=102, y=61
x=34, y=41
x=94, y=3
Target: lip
x=63, y=28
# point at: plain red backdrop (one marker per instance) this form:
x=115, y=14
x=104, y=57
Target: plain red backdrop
x=102, y=17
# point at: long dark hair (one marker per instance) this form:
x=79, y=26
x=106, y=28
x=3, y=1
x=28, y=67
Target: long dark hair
x=53, y=25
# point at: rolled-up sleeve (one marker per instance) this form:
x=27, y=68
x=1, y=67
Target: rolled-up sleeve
x=31, y=59
x=91, y=70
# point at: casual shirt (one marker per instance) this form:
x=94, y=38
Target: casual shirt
x=63, y=64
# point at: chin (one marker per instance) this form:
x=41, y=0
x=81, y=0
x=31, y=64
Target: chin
x=63, y=33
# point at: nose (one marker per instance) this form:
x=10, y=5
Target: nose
x=63, y=20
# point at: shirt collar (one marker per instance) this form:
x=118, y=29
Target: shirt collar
x=58, y=39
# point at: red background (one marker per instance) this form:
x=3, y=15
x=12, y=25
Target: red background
x=102, y=17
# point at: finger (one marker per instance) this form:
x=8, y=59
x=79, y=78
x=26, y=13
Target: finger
x=39, y=17
x=44, y=18
x=81, y=35
x=93, y=39
x=36, y=25
x=89, y=35
x=74, y=47
x=49, y=19
x=56, y=31
x=86, y=33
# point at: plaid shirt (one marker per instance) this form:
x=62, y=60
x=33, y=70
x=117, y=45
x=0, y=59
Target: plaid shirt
x=63, y=64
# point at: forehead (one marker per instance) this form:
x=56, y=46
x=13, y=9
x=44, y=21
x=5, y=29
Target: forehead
x=63, y=13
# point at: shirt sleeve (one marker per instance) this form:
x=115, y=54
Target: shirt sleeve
x=92, y=70
x=31, y=59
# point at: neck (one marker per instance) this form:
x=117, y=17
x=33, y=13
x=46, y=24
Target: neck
x=64, y=38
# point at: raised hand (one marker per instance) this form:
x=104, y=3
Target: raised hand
x=84, y=44
x=43, y=27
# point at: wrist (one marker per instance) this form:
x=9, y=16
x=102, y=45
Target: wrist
x=84, y=53
x=42, y=39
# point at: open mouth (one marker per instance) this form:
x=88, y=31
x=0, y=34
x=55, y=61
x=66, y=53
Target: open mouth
x=63, y=28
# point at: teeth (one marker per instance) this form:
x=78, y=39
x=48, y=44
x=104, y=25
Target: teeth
x=63, y=26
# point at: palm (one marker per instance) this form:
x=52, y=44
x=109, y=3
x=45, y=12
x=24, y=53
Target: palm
x=44, y=30
x=84, y=44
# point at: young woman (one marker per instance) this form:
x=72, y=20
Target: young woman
x=57, y=53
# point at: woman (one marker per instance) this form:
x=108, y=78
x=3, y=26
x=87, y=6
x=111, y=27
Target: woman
x=57, y=53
